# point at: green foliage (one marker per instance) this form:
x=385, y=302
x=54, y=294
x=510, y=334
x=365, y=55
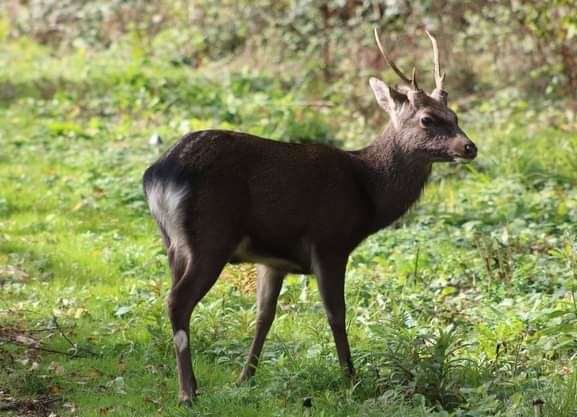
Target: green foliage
x=529, y=44
x=427, y=365
x=466, y=307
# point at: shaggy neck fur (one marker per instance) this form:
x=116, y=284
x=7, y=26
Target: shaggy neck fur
x=393, y=177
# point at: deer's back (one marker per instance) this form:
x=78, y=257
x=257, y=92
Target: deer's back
x=279, y=196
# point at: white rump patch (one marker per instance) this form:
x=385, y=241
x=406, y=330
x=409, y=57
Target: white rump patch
x=164, y=200
x=180, y=340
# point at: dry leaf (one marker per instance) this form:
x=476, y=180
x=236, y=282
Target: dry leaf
x=56, y=368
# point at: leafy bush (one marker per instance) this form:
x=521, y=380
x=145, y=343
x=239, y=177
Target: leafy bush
x=529, y=44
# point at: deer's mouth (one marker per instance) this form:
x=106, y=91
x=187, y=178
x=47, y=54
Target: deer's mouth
x=461, y=160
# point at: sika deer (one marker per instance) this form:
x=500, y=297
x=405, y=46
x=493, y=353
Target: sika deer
x=225, y=197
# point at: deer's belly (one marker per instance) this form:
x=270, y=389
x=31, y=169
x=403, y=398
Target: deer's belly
x=247, y=251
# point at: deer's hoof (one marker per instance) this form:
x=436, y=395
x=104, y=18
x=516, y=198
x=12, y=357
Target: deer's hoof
x=242, y=380
x=351, y=375
x=185, y=403
x=245, y=379
x=245, y=376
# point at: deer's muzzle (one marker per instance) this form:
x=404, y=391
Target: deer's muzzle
x=463, y=149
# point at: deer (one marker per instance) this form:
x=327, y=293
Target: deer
x=224, y=197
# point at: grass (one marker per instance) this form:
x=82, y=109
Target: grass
x=465, y=308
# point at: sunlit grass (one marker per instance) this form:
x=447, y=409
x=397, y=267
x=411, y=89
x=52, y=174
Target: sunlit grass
x=484, y=263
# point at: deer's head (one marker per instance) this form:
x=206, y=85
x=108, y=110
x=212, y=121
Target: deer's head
x=425, y=126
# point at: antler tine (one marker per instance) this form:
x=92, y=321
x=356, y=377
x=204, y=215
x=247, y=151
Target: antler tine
x=413, y=81
x=439, y=78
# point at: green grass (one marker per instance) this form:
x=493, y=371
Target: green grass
x=464, y=308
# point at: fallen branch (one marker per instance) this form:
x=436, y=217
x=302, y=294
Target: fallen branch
x=20, y=337
x=70, y=342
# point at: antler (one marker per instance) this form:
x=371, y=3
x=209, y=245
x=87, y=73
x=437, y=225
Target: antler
x=412, y=81
x=439, y=78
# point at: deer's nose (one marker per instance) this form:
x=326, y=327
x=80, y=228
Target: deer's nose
x=470, y=150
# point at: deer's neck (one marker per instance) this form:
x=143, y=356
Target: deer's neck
x=393, y=179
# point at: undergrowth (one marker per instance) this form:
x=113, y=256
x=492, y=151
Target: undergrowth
x=466, y=307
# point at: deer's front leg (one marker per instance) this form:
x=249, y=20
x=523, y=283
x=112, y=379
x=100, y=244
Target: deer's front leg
x=330, y=272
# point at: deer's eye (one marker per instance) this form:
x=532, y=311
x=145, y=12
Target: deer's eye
x=427, y=121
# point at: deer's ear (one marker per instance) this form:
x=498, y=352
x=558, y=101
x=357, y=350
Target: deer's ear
x=388, y=98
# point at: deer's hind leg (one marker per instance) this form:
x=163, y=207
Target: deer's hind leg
x=202, y=267
x=201, y=230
